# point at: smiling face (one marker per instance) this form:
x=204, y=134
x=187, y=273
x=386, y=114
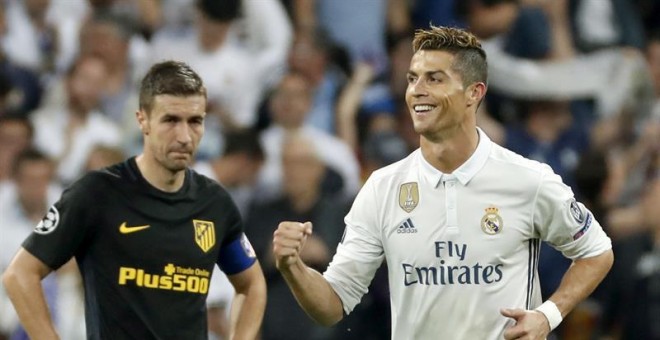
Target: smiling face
x=173, y=129
x=436, y=97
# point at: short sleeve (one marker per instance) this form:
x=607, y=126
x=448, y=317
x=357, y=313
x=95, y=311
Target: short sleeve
x=60, y=233
x=360, y=252
x=563, y=222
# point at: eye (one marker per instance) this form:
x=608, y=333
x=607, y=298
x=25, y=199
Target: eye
x=411, y=79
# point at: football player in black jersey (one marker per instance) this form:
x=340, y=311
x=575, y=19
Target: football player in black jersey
x=146, y=233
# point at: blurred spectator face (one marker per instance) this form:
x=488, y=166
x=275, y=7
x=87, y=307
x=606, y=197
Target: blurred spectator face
x=291, y=101
x=653, y=56
x=86, y=83
x=302, y=169
x=14, y=136
x=211, y=32
x=104, y=39
x=306, y=58
x=32, y=179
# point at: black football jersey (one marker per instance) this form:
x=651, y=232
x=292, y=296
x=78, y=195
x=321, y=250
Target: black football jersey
x=146, y=256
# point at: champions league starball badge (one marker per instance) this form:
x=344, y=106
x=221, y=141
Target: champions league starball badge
x=492, y=222
x=49, y=222
x=576, y=211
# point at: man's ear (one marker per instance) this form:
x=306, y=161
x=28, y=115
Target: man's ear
x=143, y=121
x=475, y=93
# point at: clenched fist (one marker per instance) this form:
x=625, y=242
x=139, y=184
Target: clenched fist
x=288, y=241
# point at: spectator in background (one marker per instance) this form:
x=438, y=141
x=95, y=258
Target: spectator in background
x=68, y=133
x=23, y=203
x=239, y=56
x=112, y=37
x=238, y=167
x=598, y=24
x=16, y=134
x=631, y=290
x=377, y=141
x=343, y=18
x=302, y=199
x=547, y=134
x=102, y=156
x=147, y=15
x=36, y=40
x=311, y=56
x=20, y=88
x=289, y=105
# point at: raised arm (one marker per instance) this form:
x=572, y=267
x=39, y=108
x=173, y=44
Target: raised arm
x=312, y=291
x=249, y=303
x=22, y=280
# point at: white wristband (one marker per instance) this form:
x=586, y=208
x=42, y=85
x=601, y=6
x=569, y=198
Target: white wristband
x=551, y=312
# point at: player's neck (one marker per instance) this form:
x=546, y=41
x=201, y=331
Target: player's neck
x=448, y=154
x=159, y=177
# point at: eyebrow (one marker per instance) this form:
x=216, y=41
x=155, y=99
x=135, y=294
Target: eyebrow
x=429, y=73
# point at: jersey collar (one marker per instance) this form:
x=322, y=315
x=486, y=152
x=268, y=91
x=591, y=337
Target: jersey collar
x=466, y=171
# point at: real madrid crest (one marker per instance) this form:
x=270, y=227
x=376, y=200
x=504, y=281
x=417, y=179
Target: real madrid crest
x=492, y=222
x=408, y=196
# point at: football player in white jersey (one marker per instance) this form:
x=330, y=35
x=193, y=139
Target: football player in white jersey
x=459, y=220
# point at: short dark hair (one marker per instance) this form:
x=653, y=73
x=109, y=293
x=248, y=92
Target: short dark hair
x=220, y=10
x=245, y=141
x=169, y=77
x=29, y=155
x=470, y=59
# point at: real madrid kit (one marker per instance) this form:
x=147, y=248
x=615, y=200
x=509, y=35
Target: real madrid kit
x=461, y=246
x=146, y=256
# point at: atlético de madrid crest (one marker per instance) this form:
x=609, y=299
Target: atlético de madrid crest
x=204, y=234
x=492, y=222
x=408, y=196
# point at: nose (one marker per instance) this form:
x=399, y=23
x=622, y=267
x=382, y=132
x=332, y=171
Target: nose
x=417, y=88
x=183, y=133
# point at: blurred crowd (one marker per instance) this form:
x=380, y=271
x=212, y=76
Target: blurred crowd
x=306, y=100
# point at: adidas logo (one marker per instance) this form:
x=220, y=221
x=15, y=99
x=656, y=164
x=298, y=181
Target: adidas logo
x=407, y=227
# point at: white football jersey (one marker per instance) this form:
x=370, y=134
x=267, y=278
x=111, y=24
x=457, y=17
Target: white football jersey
x=461, y=246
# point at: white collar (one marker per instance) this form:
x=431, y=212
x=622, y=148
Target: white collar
x=466, y=171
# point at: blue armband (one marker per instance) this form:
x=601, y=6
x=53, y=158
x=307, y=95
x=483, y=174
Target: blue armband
x=236, y=256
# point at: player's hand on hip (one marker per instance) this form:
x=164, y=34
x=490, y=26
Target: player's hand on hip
x=288, y=241
x=530, y=324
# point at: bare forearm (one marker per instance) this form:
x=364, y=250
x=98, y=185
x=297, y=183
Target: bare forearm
x=247, y=312
x=27, y=296
x=580, y=280
x=314, y=294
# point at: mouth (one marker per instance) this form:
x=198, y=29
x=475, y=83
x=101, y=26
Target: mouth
x=181, y=153
x=421, y=109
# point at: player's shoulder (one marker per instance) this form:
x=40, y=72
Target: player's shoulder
x=505, y=161
x=397, y=171
x=92, y=185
